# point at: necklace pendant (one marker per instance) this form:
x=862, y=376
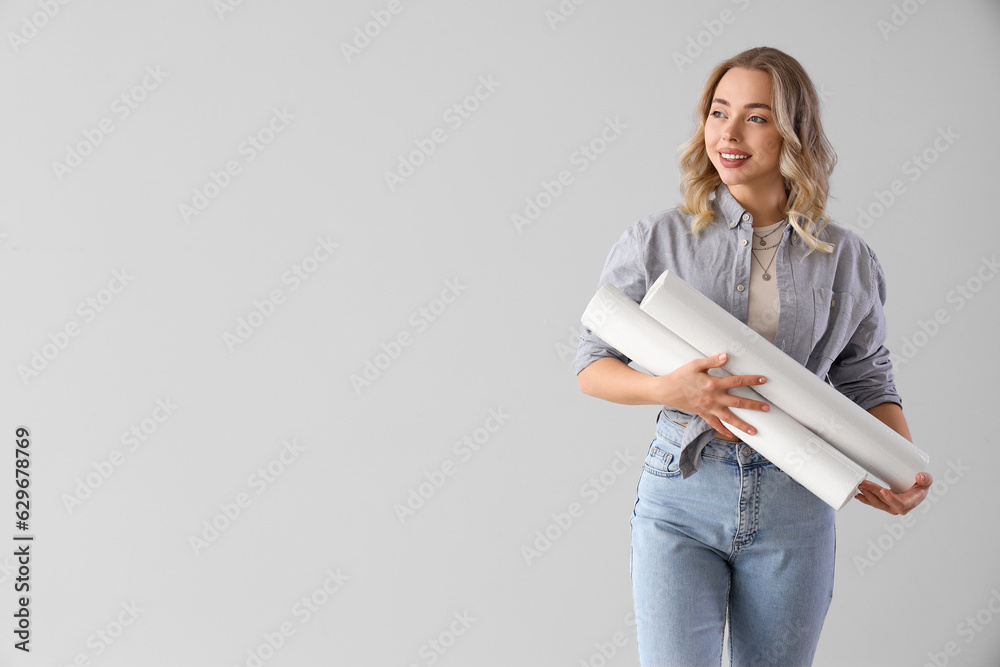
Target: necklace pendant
x=762, y=242
x=767, y=276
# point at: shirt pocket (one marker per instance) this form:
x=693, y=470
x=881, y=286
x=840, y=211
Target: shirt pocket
x=834, y=322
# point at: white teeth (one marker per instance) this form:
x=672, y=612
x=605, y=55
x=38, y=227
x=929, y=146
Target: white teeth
x=730, y=156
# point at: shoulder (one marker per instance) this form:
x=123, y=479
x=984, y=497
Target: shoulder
x=667, y=224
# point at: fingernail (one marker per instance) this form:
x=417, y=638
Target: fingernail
x=722, y=356
x=763, y=380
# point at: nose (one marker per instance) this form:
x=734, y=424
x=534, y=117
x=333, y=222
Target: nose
x=731, y=129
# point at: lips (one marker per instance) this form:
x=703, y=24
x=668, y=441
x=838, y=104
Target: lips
x=733, y=162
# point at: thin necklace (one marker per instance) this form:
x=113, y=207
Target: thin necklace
x=767, y=276
x=762, y=242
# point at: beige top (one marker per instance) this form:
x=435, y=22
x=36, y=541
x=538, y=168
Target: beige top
x=763, y=305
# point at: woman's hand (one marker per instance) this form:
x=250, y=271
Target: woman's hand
x=690, y=388
x=894, y=503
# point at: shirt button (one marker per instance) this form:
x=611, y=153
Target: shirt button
x=732, y=224
x=833, y=302
x=743, y=242
x=747, y=451
x=746, y=216
x=739, y=288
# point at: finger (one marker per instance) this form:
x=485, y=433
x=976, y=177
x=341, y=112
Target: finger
x=892, y=500
x=714, y=361
x=907, y=500
x=911, y=497
x=715, y=423
x=879, y=501
x=730, y=418
x=894, y=503
x=744, y=381
x=747, y=403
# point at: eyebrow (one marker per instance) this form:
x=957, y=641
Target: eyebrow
x=753, y=105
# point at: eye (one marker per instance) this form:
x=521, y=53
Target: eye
x=712, y=114
x=762, y=119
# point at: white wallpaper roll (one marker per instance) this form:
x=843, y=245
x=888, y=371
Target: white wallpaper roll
x=804, y=456
x=791, y=386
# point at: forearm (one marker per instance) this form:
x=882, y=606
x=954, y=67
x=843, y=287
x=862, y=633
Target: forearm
x=613, y=381
x=891, y=415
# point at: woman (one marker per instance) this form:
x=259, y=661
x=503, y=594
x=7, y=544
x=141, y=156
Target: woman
x=719, y=534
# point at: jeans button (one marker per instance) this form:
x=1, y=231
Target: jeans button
x=747, y=451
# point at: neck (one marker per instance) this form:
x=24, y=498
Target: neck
x=766, y=205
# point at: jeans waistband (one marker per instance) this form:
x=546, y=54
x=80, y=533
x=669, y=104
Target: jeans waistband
x=671, y=430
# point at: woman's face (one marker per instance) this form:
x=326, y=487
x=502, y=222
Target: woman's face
x=740, y=122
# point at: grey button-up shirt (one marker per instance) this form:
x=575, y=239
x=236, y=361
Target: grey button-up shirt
x=830, y=319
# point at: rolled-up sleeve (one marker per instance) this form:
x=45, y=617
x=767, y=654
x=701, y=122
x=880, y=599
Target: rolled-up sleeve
x=625, y=268
x=863, y=370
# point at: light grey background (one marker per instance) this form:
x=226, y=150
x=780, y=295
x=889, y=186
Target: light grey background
x=903, y=591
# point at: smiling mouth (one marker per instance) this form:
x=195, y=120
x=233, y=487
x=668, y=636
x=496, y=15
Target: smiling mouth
x=734, y=156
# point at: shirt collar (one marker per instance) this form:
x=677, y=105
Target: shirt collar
x=732, y=211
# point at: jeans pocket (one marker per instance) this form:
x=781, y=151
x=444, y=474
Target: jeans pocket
x=661, y=461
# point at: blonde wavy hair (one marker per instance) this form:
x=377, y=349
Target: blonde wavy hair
x=806, y=159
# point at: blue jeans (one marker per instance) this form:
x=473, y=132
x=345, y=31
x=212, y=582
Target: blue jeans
x=740, y=542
